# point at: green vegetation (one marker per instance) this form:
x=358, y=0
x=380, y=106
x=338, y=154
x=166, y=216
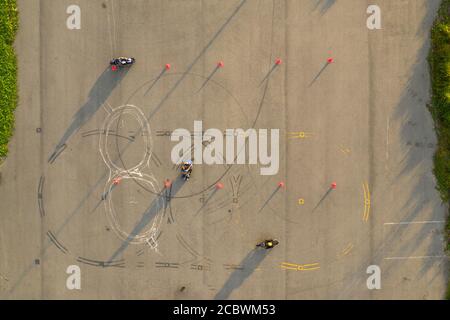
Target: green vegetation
x=448, y=291
x=8, y=71
x=439, y=60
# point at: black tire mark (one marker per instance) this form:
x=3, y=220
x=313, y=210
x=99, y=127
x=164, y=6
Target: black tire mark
x=56, y=153
x=104, y=264
x=40, y=196
x=55, y=241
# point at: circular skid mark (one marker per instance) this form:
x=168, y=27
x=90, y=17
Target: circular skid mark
x=147, y=226
x=143, y=131
x=223, y=99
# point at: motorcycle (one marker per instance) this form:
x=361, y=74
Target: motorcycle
x=186, y=170
x=268, y=244
x=121, y=62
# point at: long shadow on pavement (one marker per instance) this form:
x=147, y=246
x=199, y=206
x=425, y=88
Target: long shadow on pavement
x=325, y=5
x=159, y=203
x=237, y=278
x=101, y=90
x=410, y=111
x=189, y=68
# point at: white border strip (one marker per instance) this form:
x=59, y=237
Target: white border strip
x=417, y=257
x=412, y=222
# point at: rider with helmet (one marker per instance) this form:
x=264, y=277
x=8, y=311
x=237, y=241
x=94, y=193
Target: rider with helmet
x=122, y=61
x=268, y=244
x=186, y=169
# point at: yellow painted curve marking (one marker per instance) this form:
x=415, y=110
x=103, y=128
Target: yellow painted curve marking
x=299, y=135
x=366, y=213
x=347, y=249
x=345, y=150
x=300, y=267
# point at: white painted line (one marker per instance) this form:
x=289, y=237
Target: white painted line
x=387, y=140
x=412, y=222
x=113, y=22
x=107, y=107
x=417, y=257
x=111, y=41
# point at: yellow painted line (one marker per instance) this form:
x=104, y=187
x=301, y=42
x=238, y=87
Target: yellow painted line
x=289, y=268
x=289, y=264
x=299, y=267
x=303, y=268
x=347, y=249
x=366, y=202
x=311, y=265
x=345, y=150
x=299, y=135
x=365, y=215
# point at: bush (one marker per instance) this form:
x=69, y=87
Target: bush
x=8, y=72
x=439, y=60
x=8, y=20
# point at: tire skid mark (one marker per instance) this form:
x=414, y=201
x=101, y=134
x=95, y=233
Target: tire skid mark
x=55, y=241
x=40, y=196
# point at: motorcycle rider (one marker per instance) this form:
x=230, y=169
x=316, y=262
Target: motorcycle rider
x=122, y=61
x=268, y=244
x=186, y=169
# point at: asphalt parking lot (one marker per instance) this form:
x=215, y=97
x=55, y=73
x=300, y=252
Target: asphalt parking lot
x=84, y=183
